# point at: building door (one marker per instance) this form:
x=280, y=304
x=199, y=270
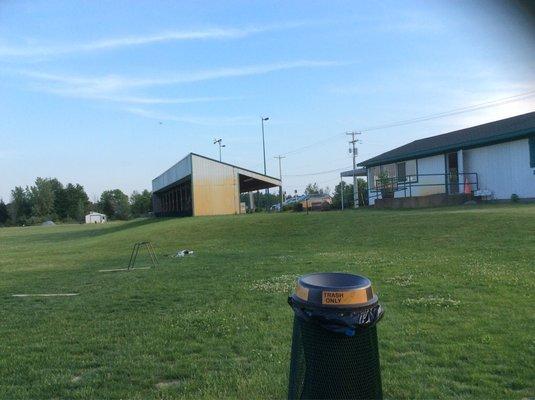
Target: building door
x=452, y=173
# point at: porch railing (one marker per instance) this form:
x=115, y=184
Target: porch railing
x=451, y=184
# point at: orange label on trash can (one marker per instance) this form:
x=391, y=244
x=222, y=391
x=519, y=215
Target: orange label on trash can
x=301, y=292
x=346, y=297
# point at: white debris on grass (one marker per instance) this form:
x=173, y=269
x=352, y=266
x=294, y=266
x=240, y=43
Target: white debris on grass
x=166, y=384
x=285, y=258
x=277, y=284
x=400, y=280
x=433, y=301
x=183, y=253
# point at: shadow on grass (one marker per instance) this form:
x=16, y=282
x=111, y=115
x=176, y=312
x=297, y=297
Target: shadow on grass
x=57, y=235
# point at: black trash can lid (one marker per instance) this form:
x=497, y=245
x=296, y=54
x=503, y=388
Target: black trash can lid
x=334, y=289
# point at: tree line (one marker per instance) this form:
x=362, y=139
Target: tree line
x=50, y=200
x=264, y=201
x=342, y=191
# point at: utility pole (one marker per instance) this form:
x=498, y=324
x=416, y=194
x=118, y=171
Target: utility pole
x=342, y=191
x=218, y=141
x=280, y=177
x=354, y=150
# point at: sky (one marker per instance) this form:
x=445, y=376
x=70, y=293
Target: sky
x=109, y=94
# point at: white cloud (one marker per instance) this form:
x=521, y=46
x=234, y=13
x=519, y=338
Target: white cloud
x=116, y=82
x=31, y=51
x=116, y=88
x=126, y=41
x=128, y=99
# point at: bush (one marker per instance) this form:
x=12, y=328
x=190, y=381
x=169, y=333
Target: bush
x=515, y=198
x=298, y=207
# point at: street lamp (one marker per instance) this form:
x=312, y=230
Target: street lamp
x=262, y=118
x=218, y=141
x=264, y=141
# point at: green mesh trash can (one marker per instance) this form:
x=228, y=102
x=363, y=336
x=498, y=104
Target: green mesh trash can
x=334, y=346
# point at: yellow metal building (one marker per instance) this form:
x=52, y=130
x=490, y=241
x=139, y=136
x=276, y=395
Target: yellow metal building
x=199, y=185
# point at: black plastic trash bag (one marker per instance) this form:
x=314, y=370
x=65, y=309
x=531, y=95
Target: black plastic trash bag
x=335, y=352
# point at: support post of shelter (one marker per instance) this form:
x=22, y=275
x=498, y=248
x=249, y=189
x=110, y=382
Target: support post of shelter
x=251, y=201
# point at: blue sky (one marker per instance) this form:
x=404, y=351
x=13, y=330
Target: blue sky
x=84, y=85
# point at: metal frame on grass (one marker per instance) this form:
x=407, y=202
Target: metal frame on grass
x=135, y=251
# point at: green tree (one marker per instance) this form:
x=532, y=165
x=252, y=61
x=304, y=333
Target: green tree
x=4, y=214
x=313, y=188
x=261, y=200
x=21, y=205
x=43, y=196
x=76, y=202
x=141, y=203
x=115, y=204
x=60, y=200
x=48, y=199
x=348, y=194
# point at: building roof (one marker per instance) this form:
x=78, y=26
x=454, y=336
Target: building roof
x=236, y=166
x=249, y=180
x=495, y=132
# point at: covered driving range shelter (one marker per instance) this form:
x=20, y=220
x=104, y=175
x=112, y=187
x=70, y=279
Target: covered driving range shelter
x=199, y=185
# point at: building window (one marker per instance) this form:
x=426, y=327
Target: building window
x=405, y=171
x=389, y=169
x=402, y=172
x=532, y=151
x=411, y=170
x=374, y=175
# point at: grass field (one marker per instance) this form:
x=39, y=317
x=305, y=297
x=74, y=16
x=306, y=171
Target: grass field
x=457, y=285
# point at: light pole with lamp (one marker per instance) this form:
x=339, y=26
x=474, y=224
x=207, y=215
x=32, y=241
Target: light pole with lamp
x=263, y=119
x=218, y=141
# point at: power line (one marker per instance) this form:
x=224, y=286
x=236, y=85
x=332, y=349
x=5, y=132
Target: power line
x=299, y=149
x=326, y=181
x=321, y=172
x=474, y=107
x=455, y=111
x=306, y=165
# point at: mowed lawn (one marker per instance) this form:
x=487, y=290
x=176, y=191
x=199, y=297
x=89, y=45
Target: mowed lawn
x=457, y=285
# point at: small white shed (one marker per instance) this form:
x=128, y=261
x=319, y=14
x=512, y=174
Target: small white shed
x=95, y=218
